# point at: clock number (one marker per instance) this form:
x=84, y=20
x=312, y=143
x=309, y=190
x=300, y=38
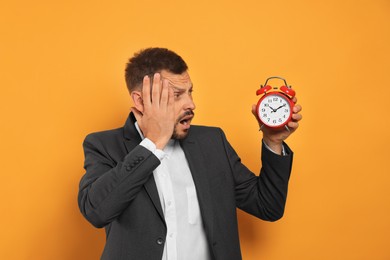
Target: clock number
x=263, y=110
x=275, y=99
x=264, y=115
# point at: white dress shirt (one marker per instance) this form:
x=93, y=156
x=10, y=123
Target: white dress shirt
x=186, y=238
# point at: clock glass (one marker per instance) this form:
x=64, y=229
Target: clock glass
x=274, y=110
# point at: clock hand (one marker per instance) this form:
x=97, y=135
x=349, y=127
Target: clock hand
x=279, y=107
x=273, y=109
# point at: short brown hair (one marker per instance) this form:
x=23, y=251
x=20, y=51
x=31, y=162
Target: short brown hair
x=150, y=61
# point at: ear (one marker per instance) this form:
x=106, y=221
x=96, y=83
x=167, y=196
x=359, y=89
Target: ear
x=136, y=96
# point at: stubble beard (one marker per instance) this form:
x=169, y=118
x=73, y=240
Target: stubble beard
x=175, y=134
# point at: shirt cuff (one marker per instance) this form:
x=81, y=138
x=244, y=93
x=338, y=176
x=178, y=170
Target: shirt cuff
x=148, y=144
x=284, y=153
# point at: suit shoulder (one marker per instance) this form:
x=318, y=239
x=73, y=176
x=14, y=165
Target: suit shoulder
x=105, y=135
x=199, y=130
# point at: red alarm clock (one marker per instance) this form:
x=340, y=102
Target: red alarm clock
x=274, y=108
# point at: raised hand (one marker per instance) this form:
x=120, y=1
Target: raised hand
x=275, y=137
x=157, y=119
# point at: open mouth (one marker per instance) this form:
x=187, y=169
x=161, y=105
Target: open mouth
x=187, y=118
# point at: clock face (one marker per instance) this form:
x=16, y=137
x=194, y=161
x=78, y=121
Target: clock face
x=274, y=110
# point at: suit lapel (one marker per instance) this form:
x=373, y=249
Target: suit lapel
x=131, y=140
x=199, y=173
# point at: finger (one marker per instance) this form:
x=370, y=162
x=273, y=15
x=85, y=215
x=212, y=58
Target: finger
x=156, y=89
x=171, y=98
x=293, y=125
x=294, y=99
x=146, y=91
x=164, y=94
x=297, y=109
x=296, y=117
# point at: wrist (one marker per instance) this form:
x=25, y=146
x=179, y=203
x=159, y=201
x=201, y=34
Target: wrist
x=275, y=145
x=160, y=143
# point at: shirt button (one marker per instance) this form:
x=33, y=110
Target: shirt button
x=171, y=235
x=169, y=203
x=160, y=241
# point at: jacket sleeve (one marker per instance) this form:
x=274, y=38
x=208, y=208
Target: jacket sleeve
x=263, y=196
x=108, y=187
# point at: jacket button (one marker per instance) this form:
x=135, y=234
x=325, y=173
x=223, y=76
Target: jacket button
x=160, y=241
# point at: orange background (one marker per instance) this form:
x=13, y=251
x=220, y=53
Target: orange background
x=61, y=77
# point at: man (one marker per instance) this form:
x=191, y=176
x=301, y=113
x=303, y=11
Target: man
x=164, y=189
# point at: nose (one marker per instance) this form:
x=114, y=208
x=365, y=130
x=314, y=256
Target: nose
x=189, y=104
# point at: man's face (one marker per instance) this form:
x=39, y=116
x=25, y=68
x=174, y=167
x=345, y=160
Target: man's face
x=183, y=103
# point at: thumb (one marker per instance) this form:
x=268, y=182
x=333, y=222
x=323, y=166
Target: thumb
x=254, y=110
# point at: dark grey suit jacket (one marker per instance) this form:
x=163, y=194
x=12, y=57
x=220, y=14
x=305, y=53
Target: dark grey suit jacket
x=118, y=191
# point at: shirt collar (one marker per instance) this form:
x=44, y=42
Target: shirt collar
x=139, y=130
